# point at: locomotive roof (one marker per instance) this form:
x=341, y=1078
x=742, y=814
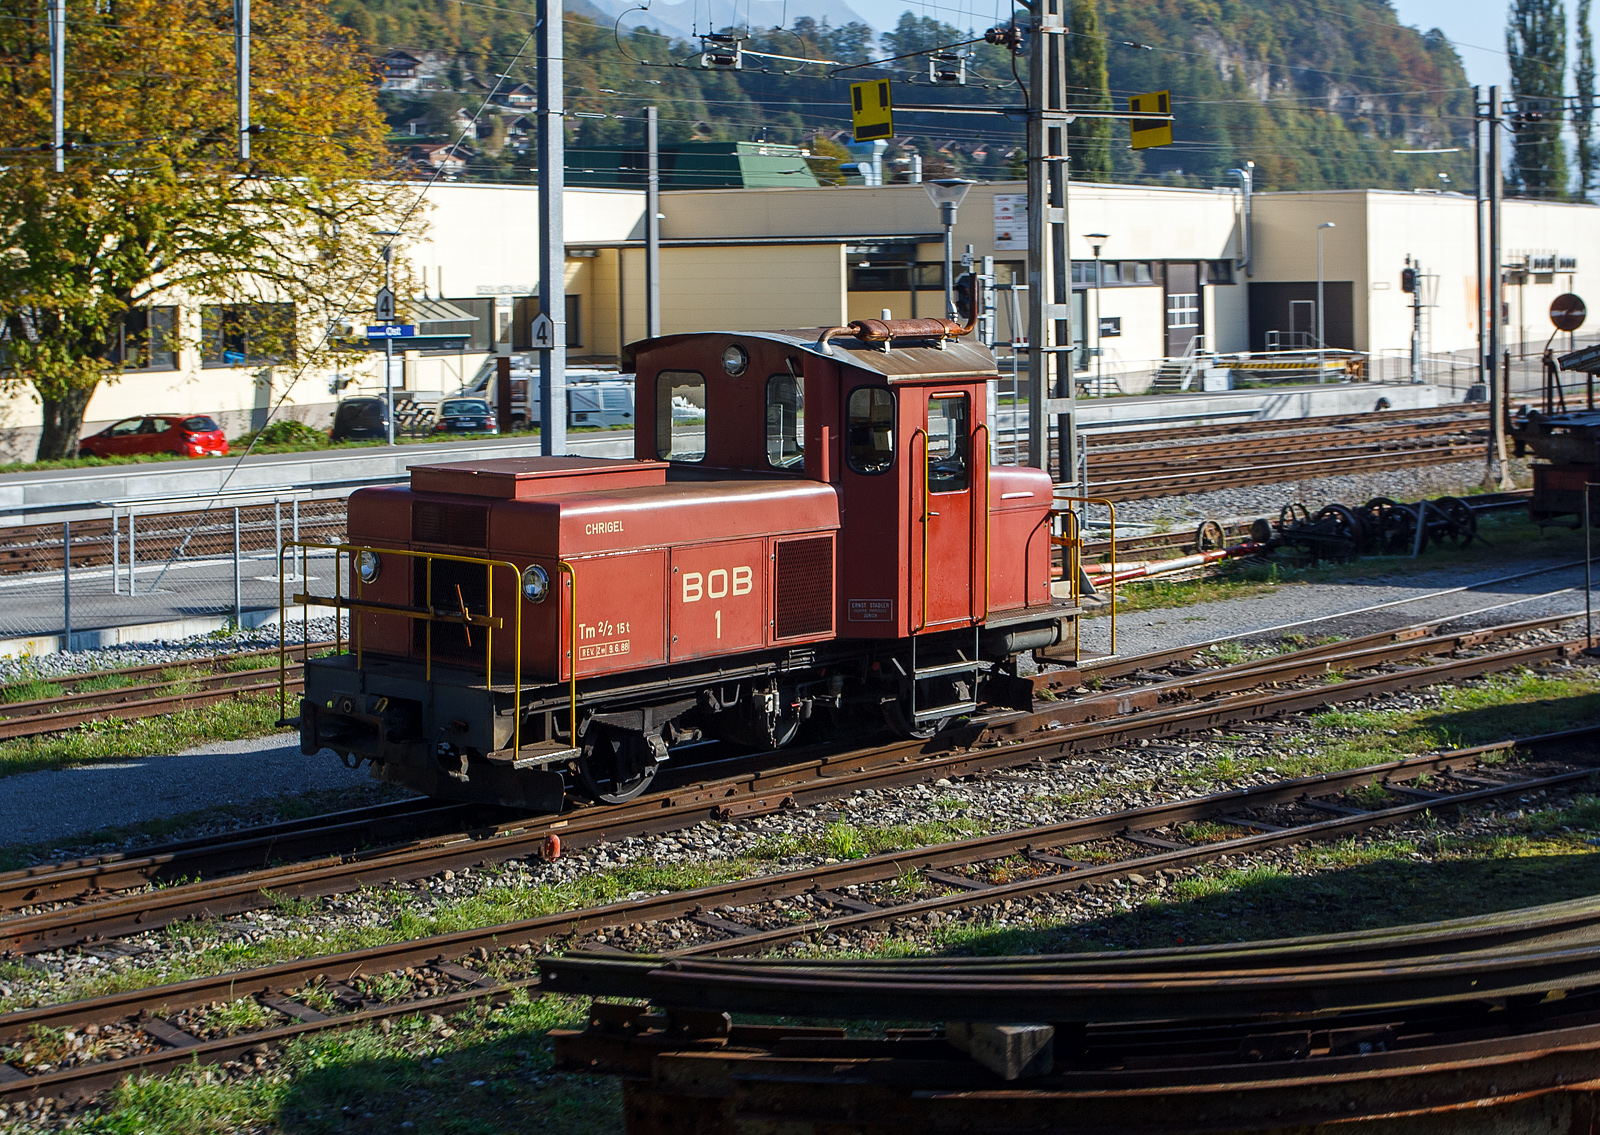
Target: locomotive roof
x=957, y=358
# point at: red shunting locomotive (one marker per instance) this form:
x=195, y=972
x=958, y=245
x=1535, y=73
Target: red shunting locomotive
x=811, y=520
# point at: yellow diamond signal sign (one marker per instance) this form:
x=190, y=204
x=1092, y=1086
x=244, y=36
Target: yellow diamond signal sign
x=870, y=111
x=1149, y=132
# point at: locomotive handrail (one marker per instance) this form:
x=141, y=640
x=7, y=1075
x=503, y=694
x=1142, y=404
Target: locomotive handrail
x=572, y=647
x=429, y=614
x=983, y=612
x=1077, y=543
x=922, y=619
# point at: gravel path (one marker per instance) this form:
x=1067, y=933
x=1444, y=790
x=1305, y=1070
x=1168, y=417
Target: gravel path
x=191, y=649
x=48, y=807
x=1141, y=631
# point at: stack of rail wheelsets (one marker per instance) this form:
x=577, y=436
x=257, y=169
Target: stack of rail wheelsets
x=1381, y=527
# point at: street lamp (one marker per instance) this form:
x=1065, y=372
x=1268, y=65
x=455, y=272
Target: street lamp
x=1323, y=225
x=947, y=193
x=1096, y=239
x=388, y=340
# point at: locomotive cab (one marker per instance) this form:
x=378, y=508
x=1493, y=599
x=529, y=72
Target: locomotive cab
x=811, y=523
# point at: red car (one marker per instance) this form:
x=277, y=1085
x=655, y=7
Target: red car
x=194, y=435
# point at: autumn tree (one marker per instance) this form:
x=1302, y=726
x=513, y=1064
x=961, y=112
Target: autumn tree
x=155, y=205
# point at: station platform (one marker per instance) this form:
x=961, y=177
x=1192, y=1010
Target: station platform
x=1151, y=411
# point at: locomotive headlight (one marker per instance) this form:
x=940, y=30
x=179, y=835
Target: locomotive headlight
x=368, y=565
x=535, y=583
x=735, y=359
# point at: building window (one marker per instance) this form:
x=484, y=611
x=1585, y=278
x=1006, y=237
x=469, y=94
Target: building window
x=482, y=311
x=1183, y=310
x=147, y=339
x=240, y=334
x=527, y=308
x=1219, y=271
x=1114, y=273
x=869, y=430
x=786, y=422
x=680, y=415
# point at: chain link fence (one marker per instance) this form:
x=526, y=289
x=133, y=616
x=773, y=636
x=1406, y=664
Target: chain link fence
x=154, y=568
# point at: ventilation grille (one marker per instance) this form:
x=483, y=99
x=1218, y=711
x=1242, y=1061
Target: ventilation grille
x=802, y=595
x=455, y=525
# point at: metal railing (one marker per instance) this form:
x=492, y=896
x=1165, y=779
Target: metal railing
x=1071, y=542
x=428, y=614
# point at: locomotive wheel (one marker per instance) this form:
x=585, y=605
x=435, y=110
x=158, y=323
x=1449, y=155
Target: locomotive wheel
x=1463, y=521
x=1209, y=537
x=1346, y=526
x=897, y=716
x=614, y=766
x=1391, y=526
x=1291, y=514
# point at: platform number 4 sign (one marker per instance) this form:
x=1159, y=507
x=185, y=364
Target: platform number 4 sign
x=543, y=333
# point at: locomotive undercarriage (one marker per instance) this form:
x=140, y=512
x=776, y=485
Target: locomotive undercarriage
x=452, y=736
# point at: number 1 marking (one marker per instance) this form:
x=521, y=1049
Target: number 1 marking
x=719, y=624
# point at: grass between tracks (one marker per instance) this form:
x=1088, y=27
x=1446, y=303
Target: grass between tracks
x=254, y=715
x=491, y=1073
x=1513, y=541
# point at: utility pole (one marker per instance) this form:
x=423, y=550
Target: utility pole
x=1480, y=182
x=1415, y=269
x=551, y=115
x=241, y=52
x=652, y=226
x=1050, y=383
x=58, y=83
x=1499, y=399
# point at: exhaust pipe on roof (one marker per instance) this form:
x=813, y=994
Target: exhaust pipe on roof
x=1247, y=176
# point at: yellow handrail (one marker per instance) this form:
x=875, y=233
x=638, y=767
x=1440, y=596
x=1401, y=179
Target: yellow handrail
x=1113, y=508
x=982, y=502
x=910, y=447
x=425, y=611
x=572, y=646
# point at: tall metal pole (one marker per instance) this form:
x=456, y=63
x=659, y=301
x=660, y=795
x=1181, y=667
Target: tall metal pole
x=551, y=117
x=948, y=216
x=1497, y=378
x=66, y=584
x=388, y=351
x=1050, y=385
x=1321, y=341
x=652, y=226
x=1479, y=187
x=58, y=83
x=241, y=51
x=1416, y=320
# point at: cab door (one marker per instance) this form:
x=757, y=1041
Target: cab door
x=943, y=478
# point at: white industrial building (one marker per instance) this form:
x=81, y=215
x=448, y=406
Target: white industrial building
x=1172, y=267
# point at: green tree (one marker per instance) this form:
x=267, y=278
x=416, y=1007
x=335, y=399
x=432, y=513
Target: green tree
x=155, y=205
x=1089, y=88
x=1536, y=41
x=918, y=33
x=826, y=154
x=1583, y=112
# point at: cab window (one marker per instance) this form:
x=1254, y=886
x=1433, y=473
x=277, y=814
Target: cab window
x=786, y=422
x=680, y=415
x=949, y=444
x=869, y=430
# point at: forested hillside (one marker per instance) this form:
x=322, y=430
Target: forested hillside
x=1317, y=92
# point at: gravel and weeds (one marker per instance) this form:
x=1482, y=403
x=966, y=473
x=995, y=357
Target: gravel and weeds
x=1438, y=866
x=117, y=738
x=1512, y=540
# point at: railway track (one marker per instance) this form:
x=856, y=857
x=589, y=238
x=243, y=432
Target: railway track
x=1172, y=705
x=141, y=691
x=1122, y=466
x=147, y=1031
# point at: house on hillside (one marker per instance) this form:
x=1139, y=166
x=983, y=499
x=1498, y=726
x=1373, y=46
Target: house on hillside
x=446, y=157
x=414, y=71
x=520, y=97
